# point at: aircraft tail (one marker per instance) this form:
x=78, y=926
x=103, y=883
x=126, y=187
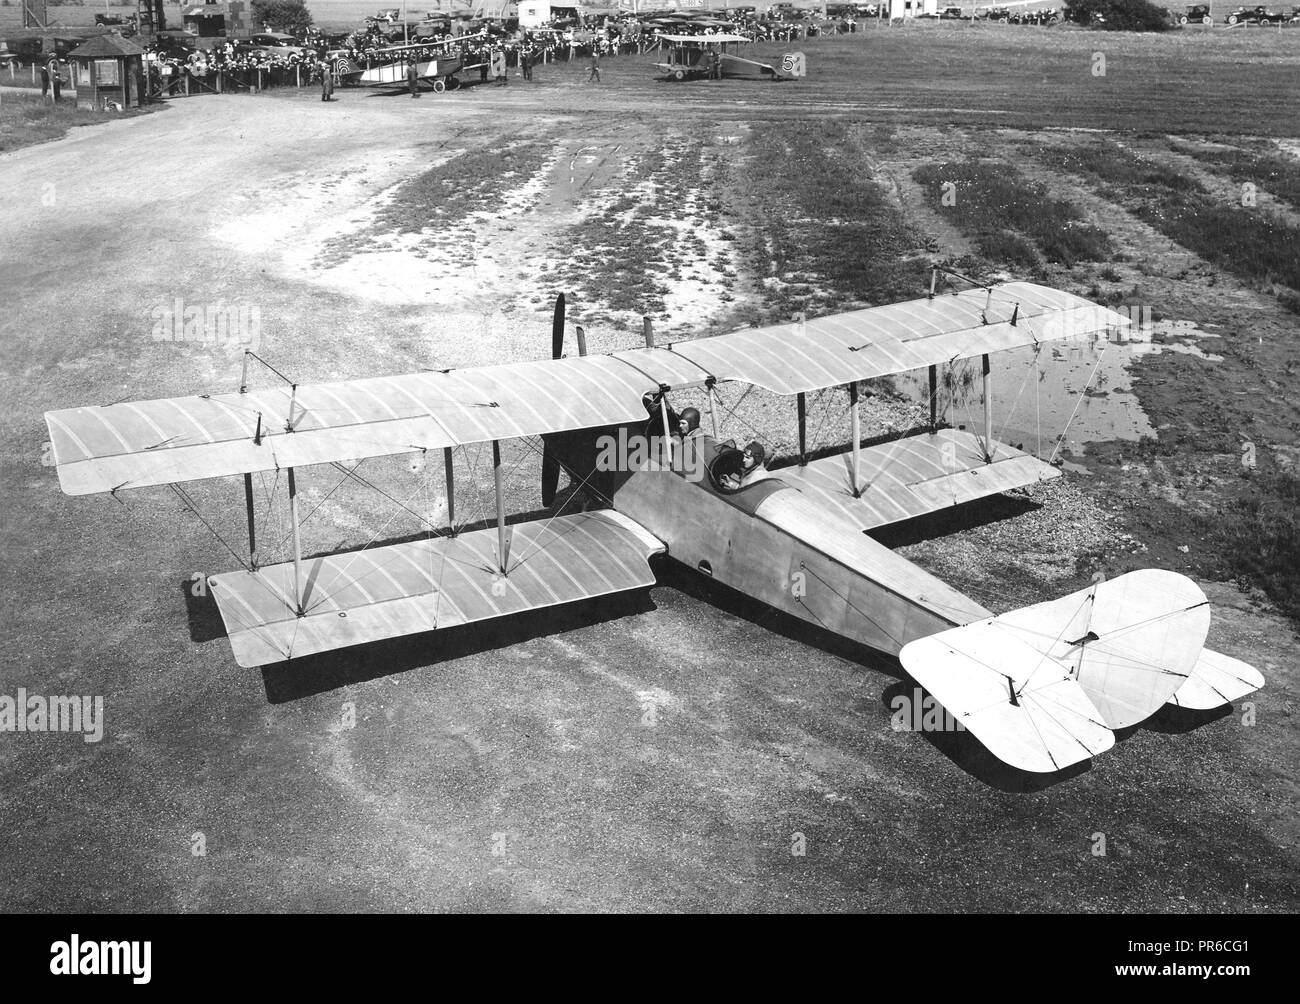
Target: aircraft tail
x=1044, y=686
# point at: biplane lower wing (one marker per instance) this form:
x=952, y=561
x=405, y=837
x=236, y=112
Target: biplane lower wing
x=423, y=585
x=395, y=73
x=916, y=475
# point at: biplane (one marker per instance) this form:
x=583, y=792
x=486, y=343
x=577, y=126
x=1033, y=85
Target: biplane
x=1042, y=687
x=702, y=57
x=440, y=72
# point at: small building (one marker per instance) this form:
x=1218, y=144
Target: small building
x=534, y=13
x=215, y=20
x=913, y=8
x=109, y=68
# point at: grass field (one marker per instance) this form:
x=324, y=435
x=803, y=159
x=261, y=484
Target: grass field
x=26, y=119
x=706, y=206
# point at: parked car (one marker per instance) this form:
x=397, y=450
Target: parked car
x=175, y=44
x=1256, y=15
x=1196, y=14
x=277, y=41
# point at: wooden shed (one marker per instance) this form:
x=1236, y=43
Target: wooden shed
x=110, y=70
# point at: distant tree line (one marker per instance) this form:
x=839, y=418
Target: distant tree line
x=289, y=16
x=1119, y=15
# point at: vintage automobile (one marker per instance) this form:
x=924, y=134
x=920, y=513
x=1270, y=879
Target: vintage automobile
x=1256, y=15
x=1196, y=14
x=35, y=47
x=277, y=42
x=175, y=44
x=126, y=24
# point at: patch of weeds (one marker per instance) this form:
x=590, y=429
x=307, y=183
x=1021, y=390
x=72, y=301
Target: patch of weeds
x=814, y=211
x=1274, y=173
x=994, y=205
x=1254, y=245
x=1260, y=543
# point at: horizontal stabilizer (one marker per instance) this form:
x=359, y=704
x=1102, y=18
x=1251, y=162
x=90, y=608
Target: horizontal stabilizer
x=916, y=475
x=1216, y=680
x=1131, y=641
x=1103, y=658
x=423, y=585
x=1022, y=705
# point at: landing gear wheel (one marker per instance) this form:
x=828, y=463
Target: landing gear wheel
x=679, y=74
x=439, y=86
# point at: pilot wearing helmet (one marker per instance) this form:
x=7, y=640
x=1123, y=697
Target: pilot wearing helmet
x=688, y=423
x=688, y=456
x=734, y=469
x=754, y=457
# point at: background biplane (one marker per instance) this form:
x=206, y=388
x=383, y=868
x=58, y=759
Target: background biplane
x=1043, y=687
x=690, y=57
x=439, y=72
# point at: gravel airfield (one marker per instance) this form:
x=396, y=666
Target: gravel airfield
x=681, y=749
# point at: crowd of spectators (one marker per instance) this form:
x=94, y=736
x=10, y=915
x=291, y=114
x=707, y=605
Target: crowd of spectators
x=238, y=64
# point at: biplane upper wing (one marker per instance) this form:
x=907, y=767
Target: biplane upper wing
x=429, y=584
x=134, y=445
x=877, y=341
x=702, y=39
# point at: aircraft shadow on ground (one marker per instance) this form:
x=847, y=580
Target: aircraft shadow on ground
x=1173, y=720
x=201, y=612
x=737, y=604
x=972, y=756
x=318, y=674
x=954, y=519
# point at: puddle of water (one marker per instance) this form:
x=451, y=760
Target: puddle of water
x=1081, y=388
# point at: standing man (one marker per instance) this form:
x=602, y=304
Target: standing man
x=413, y=78
x=45, y=81
x=594, y=74
x=326, y=81
x=526, y=63
x=56, y=79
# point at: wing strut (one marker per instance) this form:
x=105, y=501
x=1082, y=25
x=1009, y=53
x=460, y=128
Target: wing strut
x=934, y=398
x=803, y=429
x=297, y=546
x=713, y=404
x=252, y=529
x=248, y=478
x=668, y=433
x=855, y=414
x=503, y=544
x=451, y=490
x=988, y=411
